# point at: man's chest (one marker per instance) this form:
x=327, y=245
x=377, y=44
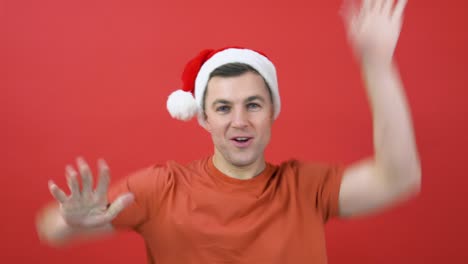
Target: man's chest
x=213, y=227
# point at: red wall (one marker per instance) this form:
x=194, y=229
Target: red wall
x=91, y=78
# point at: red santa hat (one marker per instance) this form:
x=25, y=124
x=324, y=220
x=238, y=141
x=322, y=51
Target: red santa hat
x=187, y=102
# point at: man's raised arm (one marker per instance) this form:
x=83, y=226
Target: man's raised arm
x=393, y=173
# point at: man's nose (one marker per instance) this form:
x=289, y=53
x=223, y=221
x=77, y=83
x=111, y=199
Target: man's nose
x=240, y=118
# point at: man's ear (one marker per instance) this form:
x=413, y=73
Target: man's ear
x=203, y=121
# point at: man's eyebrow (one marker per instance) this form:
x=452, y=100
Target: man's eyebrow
x=255, y=97
x=220, y=101
x=249, y=99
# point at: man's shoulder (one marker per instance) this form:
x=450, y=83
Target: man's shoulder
x=297, y=166
x=310, y=176
x=168, y=167
x=168, y=171
x=176, y=164
x=175, y=167
x=198, y=164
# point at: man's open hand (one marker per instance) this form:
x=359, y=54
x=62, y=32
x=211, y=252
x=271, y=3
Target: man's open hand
x=374, y=28
x=88, y=207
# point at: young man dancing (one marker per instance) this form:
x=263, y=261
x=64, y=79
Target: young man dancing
x=234, y=207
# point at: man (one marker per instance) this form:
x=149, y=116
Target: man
x=234, y=207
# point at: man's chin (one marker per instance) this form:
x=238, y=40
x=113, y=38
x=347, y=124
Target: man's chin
x=241, y=164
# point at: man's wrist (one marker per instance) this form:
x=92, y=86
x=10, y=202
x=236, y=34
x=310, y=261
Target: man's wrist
x=377, y=66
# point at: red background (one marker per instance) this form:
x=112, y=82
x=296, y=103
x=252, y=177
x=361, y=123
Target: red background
x=91, y=78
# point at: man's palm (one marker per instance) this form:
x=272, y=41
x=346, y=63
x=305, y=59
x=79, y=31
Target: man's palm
x=85, y=207
x=374, y=28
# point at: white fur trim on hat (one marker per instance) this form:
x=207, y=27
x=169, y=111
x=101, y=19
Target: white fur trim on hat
x=232, y=55
x=181, y=105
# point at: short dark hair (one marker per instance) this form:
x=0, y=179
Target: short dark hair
x=233, y=69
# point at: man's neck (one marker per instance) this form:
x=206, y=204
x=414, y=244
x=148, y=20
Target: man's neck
x=238, y=172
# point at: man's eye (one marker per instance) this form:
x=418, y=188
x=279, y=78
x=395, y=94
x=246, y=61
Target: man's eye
x=253, y=106
x=223, y=108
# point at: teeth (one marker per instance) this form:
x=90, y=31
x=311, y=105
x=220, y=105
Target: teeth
x=241, y=139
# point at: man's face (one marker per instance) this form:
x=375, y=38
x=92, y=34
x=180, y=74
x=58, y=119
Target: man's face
x=239, y=115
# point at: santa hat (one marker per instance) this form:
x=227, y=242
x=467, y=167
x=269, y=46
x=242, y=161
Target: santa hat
x=187, y=102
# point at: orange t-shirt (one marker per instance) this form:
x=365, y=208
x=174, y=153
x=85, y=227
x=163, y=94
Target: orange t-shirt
x=195, y=214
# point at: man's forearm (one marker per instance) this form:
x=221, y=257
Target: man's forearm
x=396, y=155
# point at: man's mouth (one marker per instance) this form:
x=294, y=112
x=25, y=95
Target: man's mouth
x=241, y=142
x=241, y=139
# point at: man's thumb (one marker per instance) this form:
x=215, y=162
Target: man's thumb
x=119, y=204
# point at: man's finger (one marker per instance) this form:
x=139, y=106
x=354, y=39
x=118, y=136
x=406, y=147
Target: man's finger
x=103, y=182
x=57, y=193
x=378, y=5
x=387, y=7
x=366, y=5
x=118, y=205
x=86, y=177
x=349, y=12
x=399, y=9
x=72, y=181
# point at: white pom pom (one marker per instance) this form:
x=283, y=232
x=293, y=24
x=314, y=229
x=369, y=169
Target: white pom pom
x=181, y=105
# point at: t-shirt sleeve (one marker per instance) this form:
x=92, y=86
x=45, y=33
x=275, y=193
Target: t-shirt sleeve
x=148, y=186
x=322, y=187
